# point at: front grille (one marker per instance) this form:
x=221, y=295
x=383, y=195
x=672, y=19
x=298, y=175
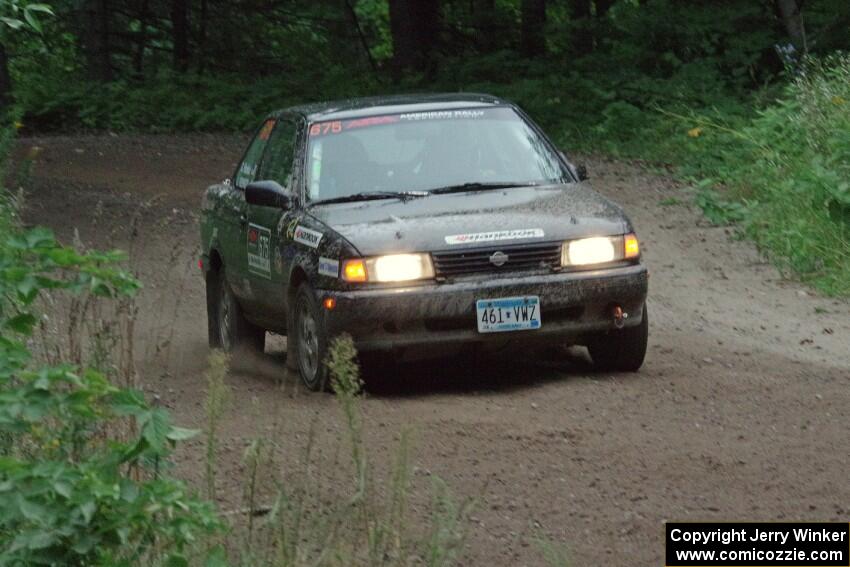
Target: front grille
x=519, y=257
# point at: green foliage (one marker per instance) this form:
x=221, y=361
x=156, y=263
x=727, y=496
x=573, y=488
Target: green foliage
x=718, y=210
x=783, y=174
x=171, y=103
x=214, y=405
x=342, y=365
x=79, y=478
x=695, y=55
x=553, y=554
x=346, y=383
x=20, y=14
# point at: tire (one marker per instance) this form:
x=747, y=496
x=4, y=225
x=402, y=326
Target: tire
x=621, y=350
x=310, y=340
x=228, y=328
x=212, y=283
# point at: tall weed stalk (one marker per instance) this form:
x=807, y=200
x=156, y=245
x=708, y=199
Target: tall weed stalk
x=314, y=522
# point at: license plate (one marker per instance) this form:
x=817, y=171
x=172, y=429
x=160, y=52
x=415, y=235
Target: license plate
x=508, y=314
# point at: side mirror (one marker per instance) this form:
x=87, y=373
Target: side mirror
x=581, y=172
x=267, y=194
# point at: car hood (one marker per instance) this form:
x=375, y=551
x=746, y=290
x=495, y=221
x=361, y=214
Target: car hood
x=474, y=219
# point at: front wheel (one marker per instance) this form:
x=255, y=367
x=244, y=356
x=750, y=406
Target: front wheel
x=621, y=350
x=311, y=342
x=228, y=327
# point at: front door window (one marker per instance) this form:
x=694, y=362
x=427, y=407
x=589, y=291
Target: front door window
x=247, y=171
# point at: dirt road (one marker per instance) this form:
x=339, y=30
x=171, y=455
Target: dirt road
x=741, y=411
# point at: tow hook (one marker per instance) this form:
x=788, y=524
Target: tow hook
x=620, y=317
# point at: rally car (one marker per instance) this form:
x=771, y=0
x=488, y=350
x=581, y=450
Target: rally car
x=417, y=223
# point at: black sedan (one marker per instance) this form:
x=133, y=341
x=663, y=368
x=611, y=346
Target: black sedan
x=417, y=224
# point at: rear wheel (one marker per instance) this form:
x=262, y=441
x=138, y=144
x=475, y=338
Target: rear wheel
x=311, y=342
x=228, y=327
x=621, y=350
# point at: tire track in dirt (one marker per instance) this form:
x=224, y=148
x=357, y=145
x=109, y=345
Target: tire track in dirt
x=740, y=412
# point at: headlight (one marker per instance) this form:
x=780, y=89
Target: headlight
x=599, y=250
x=392, y=268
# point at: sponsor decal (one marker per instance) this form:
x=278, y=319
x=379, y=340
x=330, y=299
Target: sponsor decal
x=307, y=237
x=442, y=115
x=338, y=127
x=266, y=131
x=320, y=128
x=290, y=228
x=370, y=121
x=478, y=237
x=328, y=267
x=259, y=250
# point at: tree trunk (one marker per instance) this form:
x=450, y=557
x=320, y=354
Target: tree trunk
x=484, y=15
x=142, y=42
x=427, y=16
x=401, y=30
x=602, y=23
x=415, y=27
x=533, y=40
x=95, y=39
x=5, y=82
x=180, y=34
x=602, y=7
x=363, y=43
x=582, y=40
x=792, y=17
x=202, y=37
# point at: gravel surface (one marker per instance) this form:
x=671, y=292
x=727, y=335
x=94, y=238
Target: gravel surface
x=740, y=412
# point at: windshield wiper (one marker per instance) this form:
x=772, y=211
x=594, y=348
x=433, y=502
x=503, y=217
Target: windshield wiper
x=372, y=195
x=481, y=186
x=406, y=195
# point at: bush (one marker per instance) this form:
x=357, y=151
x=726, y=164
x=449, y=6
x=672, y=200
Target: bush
x=785, y=174
x=81, y=461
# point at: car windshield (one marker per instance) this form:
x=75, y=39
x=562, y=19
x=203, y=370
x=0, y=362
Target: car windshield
x=421, y=151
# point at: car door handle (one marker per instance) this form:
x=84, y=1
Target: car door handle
x=243, y=219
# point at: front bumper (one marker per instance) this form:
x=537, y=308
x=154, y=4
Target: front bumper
x=573, y=304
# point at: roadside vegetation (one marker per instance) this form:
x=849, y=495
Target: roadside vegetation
x=83, y=461
x=783, y=174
